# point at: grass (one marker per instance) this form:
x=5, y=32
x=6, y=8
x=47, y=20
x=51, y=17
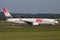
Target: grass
x=30, y=34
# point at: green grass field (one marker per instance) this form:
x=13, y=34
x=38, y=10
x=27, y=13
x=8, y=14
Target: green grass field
x=43, y=33
x=30, y=34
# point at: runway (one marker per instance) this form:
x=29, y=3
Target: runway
x=7, y=26
x=27, y=26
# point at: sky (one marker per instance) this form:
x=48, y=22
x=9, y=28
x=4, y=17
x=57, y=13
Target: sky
x=31, y=6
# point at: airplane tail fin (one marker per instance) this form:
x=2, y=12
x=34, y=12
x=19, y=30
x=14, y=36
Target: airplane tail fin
x=6, y=13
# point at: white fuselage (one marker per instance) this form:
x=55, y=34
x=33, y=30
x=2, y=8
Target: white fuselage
x=14, y=20
x=40, y=20
x=35, y=21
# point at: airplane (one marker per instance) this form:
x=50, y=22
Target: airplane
x=30, y=21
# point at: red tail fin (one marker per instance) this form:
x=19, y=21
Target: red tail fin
x=6, y=13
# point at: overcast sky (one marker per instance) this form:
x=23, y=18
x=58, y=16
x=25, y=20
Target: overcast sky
x=31, y=6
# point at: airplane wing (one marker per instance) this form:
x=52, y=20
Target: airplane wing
x=30, y=23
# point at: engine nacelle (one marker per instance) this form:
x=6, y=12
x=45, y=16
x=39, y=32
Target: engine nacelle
x=35, y=23
x=56, y=22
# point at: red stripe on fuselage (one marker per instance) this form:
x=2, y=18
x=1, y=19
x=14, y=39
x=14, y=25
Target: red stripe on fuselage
x=39, y=20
